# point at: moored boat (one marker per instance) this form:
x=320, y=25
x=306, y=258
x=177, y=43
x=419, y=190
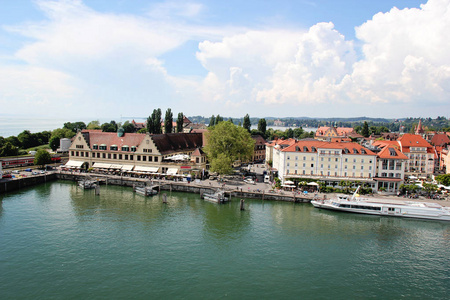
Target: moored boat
x=145, y=191
x=87, y=184
x=384, y=207
x=216, y=197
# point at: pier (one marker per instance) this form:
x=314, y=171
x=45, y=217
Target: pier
x=243, y=191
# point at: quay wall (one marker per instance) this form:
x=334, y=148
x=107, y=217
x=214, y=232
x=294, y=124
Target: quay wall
x=161, y=185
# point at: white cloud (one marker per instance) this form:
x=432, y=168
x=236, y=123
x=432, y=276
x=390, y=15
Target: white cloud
x=404, y=60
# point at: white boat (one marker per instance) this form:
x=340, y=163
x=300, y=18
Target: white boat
x=145, y=191
x=384, y=207
x=217, y=197
x=87, y=184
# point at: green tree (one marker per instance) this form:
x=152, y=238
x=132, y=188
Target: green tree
x=168, y=121
x=42, y=157
x=443, y=179
x=150, y=125
x=247, y=124
x=365, y=130
x=262, y=126
x=8, y=149
x=110, y=127
x=54, y=143
x=218, y=119
x=75, y=126
x=94, y=125
x=212, y=121
x=226, y=144
x=63, y=133
x=180, y=122
x=128, y=127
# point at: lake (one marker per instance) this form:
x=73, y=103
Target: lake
x=61, y=242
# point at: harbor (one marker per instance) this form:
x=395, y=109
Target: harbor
x=60, y=241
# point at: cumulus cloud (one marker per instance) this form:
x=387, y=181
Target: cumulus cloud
x=404, y=59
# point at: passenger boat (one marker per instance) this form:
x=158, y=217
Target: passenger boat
x=145, y=191
x=216, y=197
x=87, y=184
x=384, y=207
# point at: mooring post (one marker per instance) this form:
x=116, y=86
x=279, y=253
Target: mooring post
x=164, y=198
x=242, y=204
x=264, y=192
x=97, y=190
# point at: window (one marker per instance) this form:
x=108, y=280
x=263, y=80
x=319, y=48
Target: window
x=312, y=165
x=120, y=156
x=144, y=158
x=138, y=158
x=304, y=157
x=109, y=155
x=114, y=156
x=156, y=159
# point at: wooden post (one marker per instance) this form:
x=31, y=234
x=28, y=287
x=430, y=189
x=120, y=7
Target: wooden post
x=264, y=192
x=164, y=198
x=97, y=190
x=242, y=204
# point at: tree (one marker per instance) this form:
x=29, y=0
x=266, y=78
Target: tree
x=180, y=122
x=218, y=119
x=8, y=149
x=128, y=127
x=443, y=179
x=75, y=126
x=168, y=121
x=262, y=126
x=227, y=143
x=365, y=130
x=212, y=121
x=150, y=125
x=54, y=143
x=94, y=125
x=247, y=124
x=42, y=157
x=61, y=133
x=109, y=127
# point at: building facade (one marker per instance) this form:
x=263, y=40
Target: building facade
x=171, y=154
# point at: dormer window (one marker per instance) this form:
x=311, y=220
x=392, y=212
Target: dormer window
x=95, y=147
x=113, y=147
x=125, y=148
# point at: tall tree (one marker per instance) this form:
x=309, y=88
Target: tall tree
x=180, y=122
x=150, y=125
x=54, y=143
x=168, y=121
x=247, y=124
x=365, y=129
x=226, y=144
x=262, y=126
x=212, y=121
x=218, y=119
x=94, y=125
x=75, y=126
x=156, y=119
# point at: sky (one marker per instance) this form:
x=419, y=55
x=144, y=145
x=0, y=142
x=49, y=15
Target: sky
x=116, y=59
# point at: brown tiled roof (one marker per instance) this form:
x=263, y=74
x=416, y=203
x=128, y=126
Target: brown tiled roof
x=440, y=139
x=174, y=142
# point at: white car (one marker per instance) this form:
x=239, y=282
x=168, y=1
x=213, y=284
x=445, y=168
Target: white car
x=249, y=181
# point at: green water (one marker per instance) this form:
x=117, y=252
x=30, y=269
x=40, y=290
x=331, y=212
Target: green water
x=60, y=242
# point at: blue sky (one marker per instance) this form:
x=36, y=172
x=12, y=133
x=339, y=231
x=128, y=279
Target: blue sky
x=101, y=59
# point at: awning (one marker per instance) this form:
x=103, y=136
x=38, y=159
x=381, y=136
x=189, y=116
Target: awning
x=127, y=167
x=115, y=166
x=146, y=169
x=313, y=183
x=74, y=164
x=101, y=165
x=172, y=171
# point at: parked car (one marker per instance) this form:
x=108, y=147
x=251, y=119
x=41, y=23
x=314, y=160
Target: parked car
x=35, y=173
x=249, y=181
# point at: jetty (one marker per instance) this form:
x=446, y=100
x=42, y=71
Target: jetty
x=197, y=187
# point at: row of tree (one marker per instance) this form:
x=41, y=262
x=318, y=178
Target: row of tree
x=154, y=122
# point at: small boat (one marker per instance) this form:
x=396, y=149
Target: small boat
x=145, y=191
x=87, y=184
x=216, y=197
x=384, y=207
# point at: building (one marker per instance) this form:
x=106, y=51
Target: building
x=421, y=155
x=390, y=168
x=326, y=133
x=325, y=161
x=171, y=154
x=259, y=152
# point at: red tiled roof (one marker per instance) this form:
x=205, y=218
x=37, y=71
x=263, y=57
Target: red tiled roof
x=387, y=152
x=110, y=138
x=300, y=147
x=413, y=140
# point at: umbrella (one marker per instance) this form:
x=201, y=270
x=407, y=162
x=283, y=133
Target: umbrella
x=288, y=182
x=313, y=183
